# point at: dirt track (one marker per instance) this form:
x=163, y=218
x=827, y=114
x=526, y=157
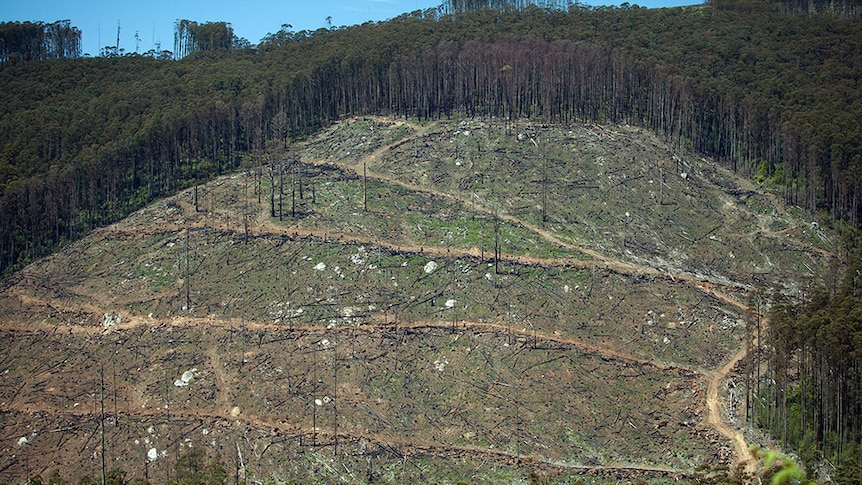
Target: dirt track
x=711, y=406
x=715, y=419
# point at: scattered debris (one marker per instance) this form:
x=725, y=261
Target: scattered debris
x=360, y=257
x=187, y=376
x=111, y=320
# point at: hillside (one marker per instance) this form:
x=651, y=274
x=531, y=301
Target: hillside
x=772, y=96
x=468, y=299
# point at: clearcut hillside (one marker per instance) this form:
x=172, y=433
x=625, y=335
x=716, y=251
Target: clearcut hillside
x=402, y=302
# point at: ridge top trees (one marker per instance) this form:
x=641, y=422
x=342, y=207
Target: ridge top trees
x=190, y=37
x=36, y=41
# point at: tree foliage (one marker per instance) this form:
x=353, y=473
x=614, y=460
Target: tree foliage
x=459, y=6
x=848, y=9
x=812, y=400
x=37, y=41
x=190, y=36
x=781, y=470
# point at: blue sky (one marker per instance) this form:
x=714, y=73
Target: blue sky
x=153, y=20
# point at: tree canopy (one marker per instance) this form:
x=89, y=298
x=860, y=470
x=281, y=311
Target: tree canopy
x=38, y=41
x=810, y=397
x=190, y=36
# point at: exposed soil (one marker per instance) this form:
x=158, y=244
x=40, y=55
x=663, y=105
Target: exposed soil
x=326, y=346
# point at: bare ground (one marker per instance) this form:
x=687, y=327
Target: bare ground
x=553, y=365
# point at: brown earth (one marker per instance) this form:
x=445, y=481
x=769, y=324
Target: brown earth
x=54, y=333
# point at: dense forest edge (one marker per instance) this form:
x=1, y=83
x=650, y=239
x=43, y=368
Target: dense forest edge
x=770, y=90
x=802, y=380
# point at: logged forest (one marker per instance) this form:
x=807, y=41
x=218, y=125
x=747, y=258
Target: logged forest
x=509, y=241
x=393, y=301
x=771, y=95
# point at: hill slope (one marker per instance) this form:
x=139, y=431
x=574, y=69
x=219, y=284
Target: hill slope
x=415, y=320
x=775, y=97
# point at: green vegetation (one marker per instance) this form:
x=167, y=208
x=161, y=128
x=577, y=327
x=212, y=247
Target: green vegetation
x=192, y=468
x=808, y=395
x=22, y=42
x=780, y=469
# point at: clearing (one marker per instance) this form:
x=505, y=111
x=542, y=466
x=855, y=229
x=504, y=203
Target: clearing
x=397, y=302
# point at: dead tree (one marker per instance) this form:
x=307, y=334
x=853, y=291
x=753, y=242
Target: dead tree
x=188, y=275
x=496, y=243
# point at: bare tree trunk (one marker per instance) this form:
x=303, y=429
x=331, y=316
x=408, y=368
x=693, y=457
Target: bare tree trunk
x=188, y=276
x=281, y=191
x=496, y=244
x=271, y=190
x=102, y=418
x=335, y=392
x=242, y=323
x=314, y=396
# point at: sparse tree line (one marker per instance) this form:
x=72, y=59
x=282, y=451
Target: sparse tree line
x=38, y=41
x=459, y=6
x=190, y=36
x=22, y=42
x=848, y=9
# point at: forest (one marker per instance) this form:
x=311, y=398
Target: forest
x=770, y=90
x=802, y=383
x=190, y=36
x=37, y=41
